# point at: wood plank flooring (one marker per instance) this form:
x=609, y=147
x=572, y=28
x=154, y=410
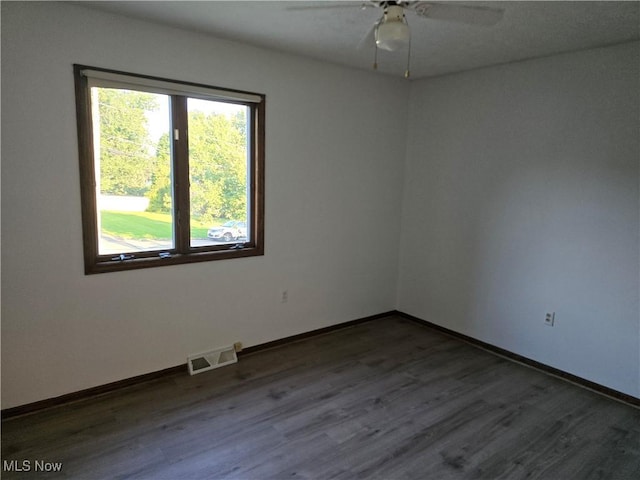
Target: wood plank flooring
x=386, y=399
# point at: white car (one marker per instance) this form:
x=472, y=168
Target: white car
x=228, y=231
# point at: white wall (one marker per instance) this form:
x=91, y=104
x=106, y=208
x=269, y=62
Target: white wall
x=521, y=197
x=333, y=193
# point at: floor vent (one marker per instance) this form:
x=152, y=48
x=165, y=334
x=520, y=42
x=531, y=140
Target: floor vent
x=219, y=357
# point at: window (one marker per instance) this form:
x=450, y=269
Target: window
x=171, y=172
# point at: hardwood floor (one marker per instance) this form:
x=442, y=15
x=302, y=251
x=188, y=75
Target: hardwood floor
x=383, y=399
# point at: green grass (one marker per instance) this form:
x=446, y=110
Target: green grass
x=147, y=225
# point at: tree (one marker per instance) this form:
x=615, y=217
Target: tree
x=126, y=159
x=159, y=192
x=217, y=168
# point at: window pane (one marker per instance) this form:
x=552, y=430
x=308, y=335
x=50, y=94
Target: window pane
x=132, y=155
x=218, y=159
x=152, y=156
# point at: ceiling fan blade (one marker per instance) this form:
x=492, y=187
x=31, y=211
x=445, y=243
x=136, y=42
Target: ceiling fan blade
x=370, y=38
x=470, y=15
x=333, y=5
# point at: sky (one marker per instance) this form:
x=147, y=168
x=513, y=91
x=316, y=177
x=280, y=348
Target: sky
x=159, y=120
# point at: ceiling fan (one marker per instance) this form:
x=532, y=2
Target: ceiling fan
x=391, y=31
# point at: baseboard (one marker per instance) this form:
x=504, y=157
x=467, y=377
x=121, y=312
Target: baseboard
x=583, y=382
x=182, y=369
x=314, y=333
x=90, y=392
x=127, y=382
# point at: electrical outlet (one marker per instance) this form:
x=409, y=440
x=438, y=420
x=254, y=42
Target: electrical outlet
x=550, y=319
x=284, y=296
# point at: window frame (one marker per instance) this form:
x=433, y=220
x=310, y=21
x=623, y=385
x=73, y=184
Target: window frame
x=182, y=252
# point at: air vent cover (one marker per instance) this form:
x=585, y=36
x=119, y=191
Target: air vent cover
x=219, y=357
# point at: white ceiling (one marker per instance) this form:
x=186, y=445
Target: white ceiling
x=528, y=29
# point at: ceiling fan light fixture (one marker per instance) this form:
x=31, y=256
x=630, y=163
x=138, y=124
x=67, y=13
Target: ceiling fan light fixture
x=392, y=36
x=392, y=32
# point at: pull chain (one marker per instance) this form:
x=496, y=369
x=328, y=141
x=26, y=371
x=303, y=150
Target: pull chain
x=375, y=57
x=407, y=72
